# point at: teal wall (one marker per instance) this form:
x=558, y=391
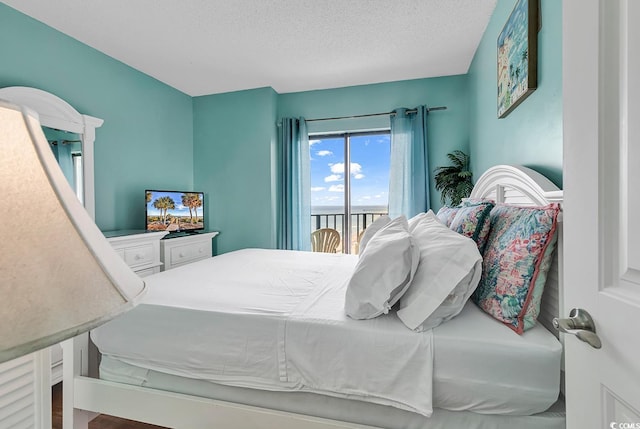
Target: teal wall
x=447, y=130
x=235, y=136
x=531, y=134
x=147, y=136
x=234, y=163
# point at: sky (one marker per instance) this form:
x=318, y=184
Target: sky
x=369, y=170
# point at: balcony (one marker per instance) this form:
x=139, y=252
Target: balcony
x=359, y=222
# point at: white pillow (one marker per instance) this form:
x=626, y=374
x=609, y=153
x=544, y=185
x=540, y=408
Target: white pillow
x=371, y=230
x=448, y=273
x=383, y=272
x=414, y=221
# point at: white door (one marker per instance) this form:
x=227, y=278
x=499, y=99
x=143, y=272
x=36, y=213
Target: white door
x=601, y=80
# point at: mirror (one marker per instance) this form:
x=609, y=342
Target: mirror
x=64, y=123
x=67, y=148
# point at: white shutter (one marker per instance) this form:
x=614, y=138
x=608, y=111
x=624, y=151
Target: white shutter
x=25, y=392
x=17, y=398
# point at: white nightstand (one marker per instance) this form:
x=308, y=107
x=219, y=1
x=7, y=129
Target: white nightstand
x=139, y=249
x=185, y=249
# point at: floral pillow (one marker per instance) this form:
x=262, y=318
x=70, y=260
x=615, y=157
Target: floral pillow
x=516, y=261
x=472, y=219
x=446, y=214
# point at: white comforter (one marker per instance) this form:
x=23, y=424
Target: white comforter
x=272, y=319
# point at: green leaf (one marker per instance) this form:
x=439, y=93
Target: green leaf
x=454, y=181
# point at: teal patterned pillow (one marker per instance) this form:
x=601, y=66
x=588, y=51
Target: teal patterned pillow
x=516, y=261
x=446, y=214
x=472, y=219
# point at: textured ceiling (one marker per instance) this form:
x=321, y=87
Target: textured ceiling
x=212, y=46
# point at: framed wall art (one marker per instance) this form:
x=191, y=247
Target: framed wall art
x=518, y=56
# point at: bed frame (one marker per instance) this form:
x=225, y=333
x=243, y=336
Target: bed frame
x=85, y=396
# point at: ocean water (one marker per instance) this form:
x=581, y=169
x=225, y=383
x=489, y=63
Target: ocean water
x=354, y=209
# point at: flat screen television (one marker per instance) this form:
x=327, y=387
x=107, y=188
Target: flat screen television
x=174, y=211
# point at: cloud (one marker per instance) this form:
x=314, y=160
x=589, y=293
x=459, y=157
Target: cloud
x=317, y=188
x=324, y=153
x=333, y=178
x=337, y=168
x=336, y=188
x=312, y=142
x=355, y=169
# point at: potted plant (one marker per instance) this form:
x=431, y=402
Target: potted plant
x=454, y=181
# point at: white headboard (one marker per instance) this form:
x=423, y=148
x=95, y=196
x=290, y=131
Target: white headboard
x=517, y=185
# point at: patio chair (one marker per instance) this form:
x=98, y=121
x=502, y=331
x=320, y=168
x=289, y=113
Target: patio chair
x=325, y=240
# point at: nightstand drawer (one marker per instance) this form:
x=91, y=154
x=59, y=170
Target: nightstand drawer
x=120, y=253
x=148, y=271
x=139, y=255
x=140, y=250
x=190, y=252
x=182, y=250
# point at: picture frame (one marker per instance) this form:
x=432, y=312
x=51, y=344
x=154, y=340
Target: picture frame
x=518, y=56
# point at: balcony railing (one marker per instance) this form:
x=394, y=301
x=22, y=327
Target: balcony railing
x=359, y=222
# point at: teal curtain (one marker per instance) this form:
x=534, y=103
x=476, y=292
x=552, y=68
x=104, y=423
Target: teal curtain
x=409, y=178
x=294, y=221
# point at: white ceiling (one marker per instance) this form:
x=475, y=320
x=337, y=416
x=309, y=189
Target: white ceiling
x=212, y=46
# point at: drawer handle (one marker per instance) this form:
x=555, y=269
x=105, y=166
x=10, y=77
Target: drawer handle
x=138, y=257
x=181, y=255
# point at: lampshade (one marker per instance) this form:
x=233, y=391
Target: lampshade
x=59, y=276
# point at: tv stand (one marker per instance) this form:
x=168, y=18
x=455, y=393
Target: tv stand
x=185, y=248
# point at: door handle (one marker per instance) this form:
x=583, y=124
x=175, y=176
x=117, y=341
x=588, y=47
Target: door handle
x=581, y=325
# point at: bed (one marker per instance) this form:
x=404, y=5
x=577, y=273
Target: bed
x=229, y=347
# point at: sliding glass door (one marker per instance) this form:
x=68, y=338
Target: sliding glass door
x=349, y=183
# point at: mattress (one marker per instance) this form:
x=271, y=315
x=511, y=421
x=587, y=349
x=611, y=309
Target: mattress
x=483, y=366
x=479, y=364
x=340, y=409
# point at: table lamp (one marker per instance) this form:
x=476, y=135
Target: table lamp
x=59, y=277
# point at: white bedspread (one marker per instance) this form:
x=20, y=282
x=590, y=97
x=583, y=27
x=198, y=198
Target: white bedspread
x=274, y=320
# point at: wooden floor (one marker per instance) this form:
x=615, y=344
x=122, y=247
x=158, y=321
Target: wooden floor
x=100, y=422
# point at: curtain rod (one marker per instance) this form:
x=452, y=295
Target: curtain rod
x=57, y=142
x=429, y=109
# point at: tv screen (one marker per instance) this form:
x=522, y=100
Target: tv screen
x=174, y=211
